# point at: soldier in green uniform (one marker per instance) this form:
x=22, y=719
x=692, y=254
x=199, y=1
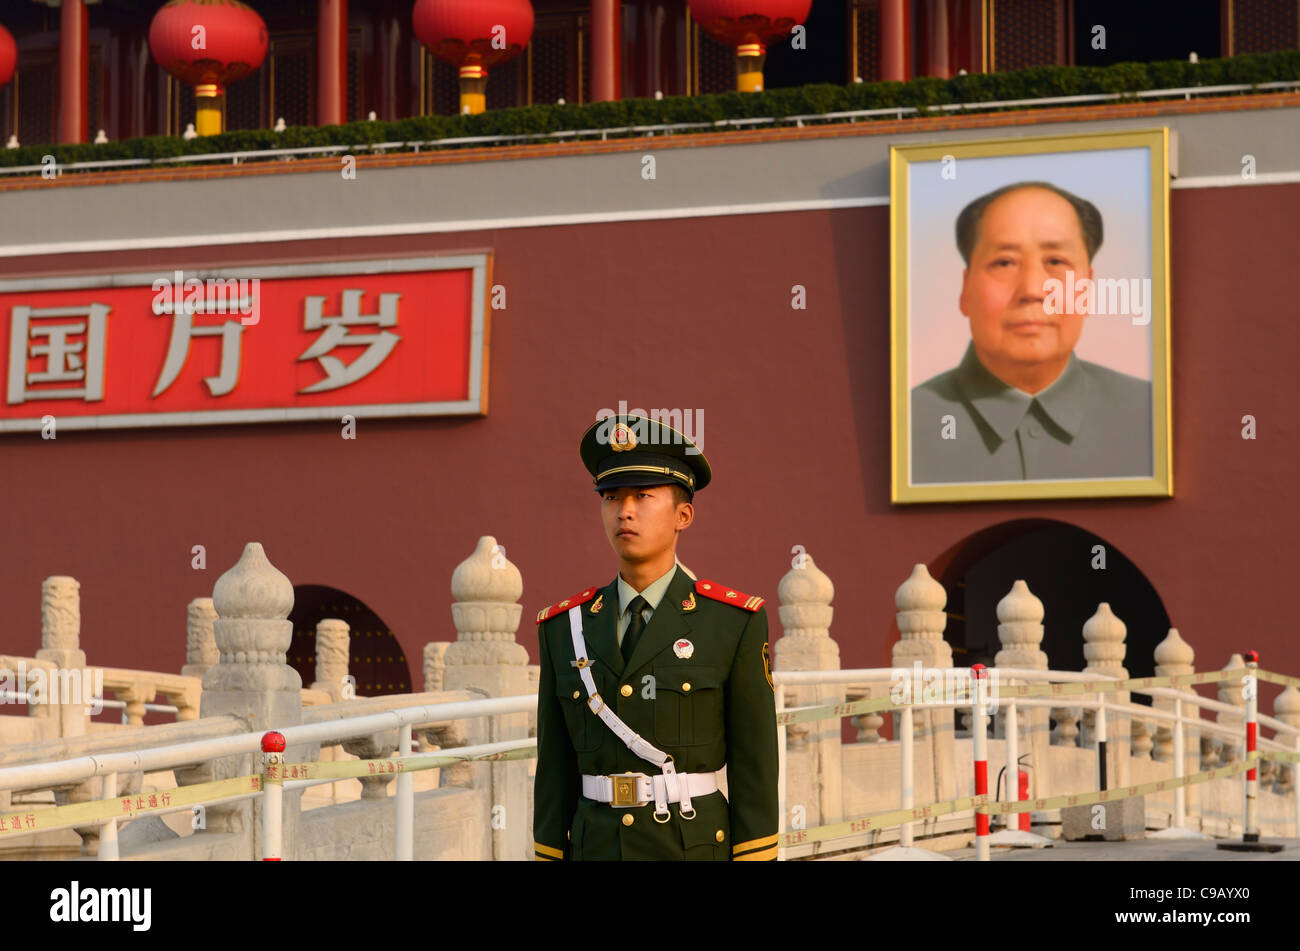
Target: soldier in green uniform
x=652, y=683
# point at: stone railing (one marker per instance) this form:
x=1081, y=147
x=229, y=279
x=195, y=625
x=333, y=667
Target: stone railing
x=1060, y=751
x=236, y=680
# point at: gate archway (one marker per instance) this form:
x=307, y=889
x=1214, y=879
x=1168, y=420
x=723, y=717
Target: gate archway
x=375, y=658
x=1056, y=560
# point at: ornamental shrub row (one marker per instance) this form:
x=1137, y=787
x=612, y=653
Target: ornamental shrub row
x=1035, y=83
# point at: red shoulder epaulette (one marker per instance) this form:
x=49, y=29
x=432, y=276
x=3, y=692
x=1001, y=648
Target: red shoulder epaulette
x=564, y=605
x=720, y=592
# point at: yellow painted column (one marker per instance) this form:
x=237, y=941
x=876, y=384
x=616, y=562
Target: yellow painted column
x=749, y=67
x=473, y=90
x=207, y=109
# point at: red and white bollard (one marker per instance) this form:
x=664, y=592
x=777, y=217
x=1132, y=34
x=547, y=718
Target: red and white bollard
x=1250, y=826
x=272, y=794
x=1250, y=822
x=979, y=681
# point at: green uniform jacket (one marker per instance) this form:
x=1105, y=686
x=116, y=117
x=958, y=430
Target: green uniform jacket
x=712, y=708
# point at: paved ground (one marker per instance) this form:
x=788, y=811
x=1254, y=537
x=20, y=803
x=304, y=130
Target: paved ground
x=1143, y=850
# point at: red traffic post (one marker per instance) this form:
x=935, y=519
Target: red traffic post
x=979, y=680
x=1250, y=822
x=272, y=794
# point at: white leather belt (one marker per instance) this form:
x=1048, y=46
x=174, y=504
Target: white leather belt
x=638, y=789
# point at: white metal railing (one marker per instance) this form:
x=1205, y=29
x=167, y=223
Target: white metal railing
x=110, y=765
x=1096, y=702
x=13, y=696
x=604, y=133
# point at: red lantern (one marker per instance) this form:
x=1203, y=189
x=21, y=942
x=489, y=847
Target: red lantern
x=749, y=25
x=8, y=56
x=208, y=44
x=473, y=35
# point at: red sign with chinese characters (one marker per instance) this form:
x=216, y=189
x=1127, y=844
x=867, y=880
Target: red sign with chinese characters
x=366, y=338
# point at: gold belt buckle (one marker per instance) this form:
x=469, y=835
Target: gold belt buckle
x=624, y=790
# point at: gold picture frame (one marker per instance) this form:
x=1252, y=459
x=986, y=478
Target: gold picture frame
x=1069, y=157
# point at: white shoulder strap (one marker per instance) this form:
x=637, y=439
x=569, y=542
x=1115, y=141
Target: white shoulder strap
x=631, y=739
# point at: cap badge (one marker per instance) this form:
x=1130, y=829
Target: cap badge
x=689, y=603
x=622, y=438
x=597, y=604
x=683, y=649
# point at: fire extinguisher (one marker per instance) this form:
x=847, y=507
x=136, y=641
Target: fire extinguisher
x=1022, y=786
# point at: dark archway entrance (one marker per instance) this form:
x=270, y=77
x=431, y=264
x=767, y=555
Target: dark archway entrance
x=1056, y=560
x=375, y=658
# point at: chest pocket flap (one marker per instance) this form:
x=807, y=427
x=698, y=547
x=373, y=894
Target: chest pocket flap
x=688, y=704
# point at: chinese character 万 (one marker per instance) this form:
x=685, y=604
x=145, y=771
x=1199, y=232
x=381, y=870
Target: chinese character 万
x=179, y=349
x=65, y=361
x=379, y=345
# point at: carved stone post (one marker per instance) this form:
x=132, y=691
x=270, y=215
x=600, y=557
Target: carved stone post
x=1141, y=738
x=1020, y=631
x=61, y=646
x=806, y=593
x=1287, y=709
x=920, y=601
x=200, y=648
x=252, y=681
x=486, y=657
x=1104, y=648
x=435, y=665
x=1230, y=750
x=1174, y=656
x=332, y=642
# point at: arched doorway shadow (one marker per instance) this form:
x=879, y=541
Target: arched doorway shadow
x=1056, y=560
x=375, y=658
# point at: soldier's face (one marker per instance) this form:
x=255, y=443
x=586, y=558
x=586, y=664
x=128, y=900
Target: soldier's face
x=1025, y=237
x=642, y=522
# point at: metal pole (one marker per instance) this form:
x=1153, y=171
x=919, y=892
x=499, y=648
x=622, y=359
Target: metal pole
x=1180, y=793
x=108, y=834
x=1250, y=823
x=272, y=794
x=1010, y=727
x=405, y=823
x=1101, y=743
x=781, y=731
x=906, y=767
x=1250, y=827
x=978, y=675
x=1295, y=787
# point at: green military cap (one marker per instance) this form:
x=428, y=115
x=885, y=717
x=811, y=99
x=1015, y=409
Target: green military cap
x=633, y=450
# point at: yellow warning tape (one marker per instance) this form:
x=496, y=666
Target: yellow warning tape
x=894, y=817
x=1269, y=677
x=1004, y=691
x=1280, y=757
x=1125, y=792
x=392, y=766
x=125, y=807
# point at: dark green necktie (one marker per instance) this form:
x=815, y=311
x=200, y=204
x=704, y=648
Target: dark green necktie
x=635, y=626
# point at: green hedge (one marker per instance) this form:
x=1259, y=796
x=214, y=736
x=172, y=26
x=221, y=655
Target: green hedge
x=1036, y=83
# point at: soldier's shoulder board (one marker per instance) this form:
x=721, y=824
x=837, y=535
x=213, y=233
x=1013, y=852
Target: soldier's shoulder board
x=554, y=609
x=720, y=592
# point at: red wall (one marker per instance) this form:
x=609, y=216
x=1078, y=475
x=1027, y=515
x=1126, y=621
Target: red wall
x=692, y=314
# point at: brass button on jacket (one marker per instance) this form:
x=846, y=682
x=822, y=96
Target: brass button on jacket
x=625, y=690
x=628, y=819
